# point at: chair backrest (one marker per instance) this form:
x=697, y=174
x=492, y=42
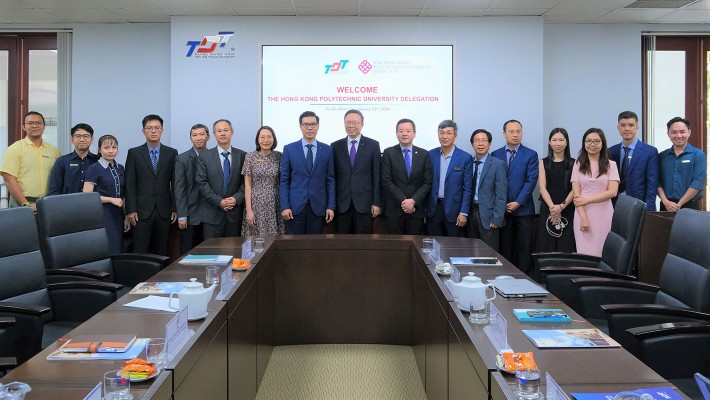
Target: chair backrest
x=704, y=384
x=21, y=267
x=620, y=251
x=685, y=273
x=73, y=232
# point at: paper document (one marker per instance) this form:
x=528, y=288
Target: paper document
x=159, y=303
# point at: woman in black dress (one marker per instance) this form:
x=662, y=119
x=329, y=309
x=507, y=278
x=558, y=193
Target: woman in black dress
x=107, y=178
x=555, y=231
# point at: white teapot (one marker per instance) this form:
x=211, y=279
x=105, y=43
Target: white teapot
x=195, y=296
x=469, y=290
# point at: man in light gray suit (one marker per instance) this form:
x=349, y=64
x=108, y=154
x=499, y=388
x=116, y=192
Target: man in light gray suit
x=187, y=195
x=219, y=178
x=490, y=191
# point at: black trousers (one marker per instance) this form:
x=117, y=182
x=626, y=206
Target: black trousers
x=475, y=230
x=516, y=241
x=305, y=223
x=222, y=229
x=150, y=235
x=437, y=225
x=352, y=221
x=405, y=225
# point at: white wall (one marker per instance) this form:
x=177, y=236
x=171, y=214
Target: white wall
x=498, y=68
x=121, y=73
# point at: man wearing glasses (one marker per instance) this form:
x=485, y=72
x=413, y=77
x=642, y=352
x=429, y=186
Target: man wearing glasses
x=150, y=207
x=307, y=184
x=68, y=172
x=357, y=182
x=28, y=162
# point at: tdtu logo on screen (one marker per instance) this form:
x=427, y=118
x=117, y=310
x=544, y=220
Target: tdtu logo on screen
x=209, y=44
x=336, y=66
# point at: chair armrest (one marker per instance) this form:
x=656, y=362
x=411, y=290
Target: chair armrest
x=674, y=350
x=131, y=269
x=74, y=273
x=559, y=258
x=106, y=286
x=7, y=363
x=586, y=271
x=594, y=292
x=21, y=308
x=6, y=322
x=656, y=309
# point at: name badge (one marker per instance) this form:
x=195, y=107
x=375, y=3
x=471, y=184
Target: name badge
x=457, y=169
x=685, y=161
x=73, y=165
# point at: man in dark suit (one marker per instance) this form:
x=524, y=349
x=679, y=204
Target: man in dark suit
x=489, y=200
x=516, y=235
x=637, y=162
x=150, y=207
x=406, y=182
x=357, y=177
x=450, y=196
x=219, y=179
x=187, y=194
x=307, y=183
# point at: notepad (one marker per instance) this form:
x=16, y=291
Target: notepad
x=99, y=344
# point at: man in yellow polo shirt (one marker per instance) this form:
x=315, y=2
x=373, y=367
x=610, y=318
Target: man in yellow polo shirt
x=28, y=162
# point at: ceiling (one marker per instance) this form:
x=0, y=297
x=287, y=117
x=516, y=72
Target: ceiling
x=143, y=11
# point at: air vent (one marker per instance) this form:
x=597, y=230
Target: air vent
x=675, y=4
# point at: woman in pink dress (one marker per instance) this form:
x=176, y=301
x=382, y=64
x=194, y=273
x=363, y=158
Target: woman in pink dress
x=595, y=181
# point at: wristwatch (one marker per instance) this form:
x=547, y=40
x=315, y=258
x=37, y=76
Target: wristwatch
x=26, y=204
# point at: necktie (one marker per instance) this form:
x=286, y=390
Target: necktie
x=624, y=169
x=407, y=161
x=154, y=160
x=512, y=156
x=352, y=152
x=475, y=178
x=227, y=170
x=309, y=158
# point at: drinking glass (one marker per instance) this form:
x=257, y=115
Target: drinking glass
x=117, y=386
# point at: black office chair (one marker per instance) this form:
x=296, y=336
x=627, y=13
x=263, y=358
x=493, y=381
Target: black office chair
x=6, y=363
x=682, y=295
x=618, y=260
x=74, y=236
x=43, y=313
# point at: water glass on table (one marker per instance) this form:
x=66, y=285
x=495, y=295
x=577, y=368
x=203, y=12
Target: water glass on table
x=528, y=384
x=212, y=275
x=480, y=312
x=258, y=244
x=116, y=386
x=155, y=352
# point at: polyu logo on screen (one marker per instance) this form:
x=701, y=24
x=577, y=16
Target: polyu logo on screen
x=208, y=44
x=336, y=66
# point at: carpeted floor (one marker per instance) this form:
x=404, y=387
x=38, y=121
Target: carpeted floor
x=341, y=371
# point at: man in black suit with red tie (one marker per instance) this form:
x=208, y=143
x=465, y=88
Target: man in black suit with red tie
x=150, y=206
x=406, y=181
x=357, y=178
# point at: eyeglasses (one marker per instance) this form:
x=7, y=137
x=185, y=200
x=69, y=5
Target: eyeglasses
x=309, y=124
x=352, y=123
x=594, y=142
x=82, y=137
x=34, y=123
x=480, y=140
x=153, y=128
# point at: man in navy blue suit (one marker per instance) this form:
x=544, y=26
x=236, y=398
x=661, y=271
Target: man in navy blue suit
x=489, y=198
x=357, y=183
x=307, y=184
x=637, y=162
x=450, y=195
x=516, y=235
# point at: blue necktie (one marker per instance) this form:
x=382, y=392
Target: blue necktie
x=154, y=160
x=512, y=156
x=624, y=169
x=353, y=153
x=407, y=162
x=226, y=166
x=309, y=158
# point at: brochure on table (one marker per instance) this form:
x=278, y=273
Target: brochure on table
x=158, y=287
x=538, y=315
x=659, y=393
x=560, y=338
x=209, y=259
x=132, y=352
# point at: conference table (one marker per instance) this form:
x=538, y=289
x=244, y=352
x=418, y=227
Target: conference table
x=378, y=289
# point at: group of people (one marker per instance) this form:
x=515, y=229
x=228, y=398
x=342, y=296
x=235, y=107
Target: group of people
x=225, y=191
